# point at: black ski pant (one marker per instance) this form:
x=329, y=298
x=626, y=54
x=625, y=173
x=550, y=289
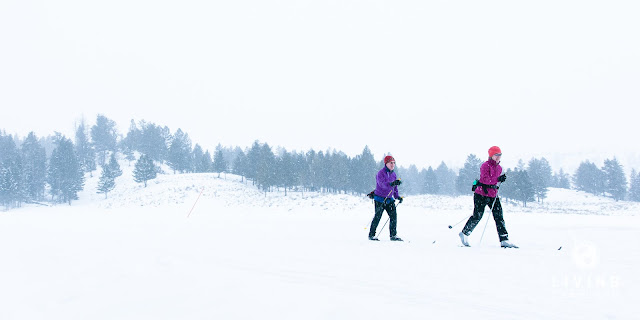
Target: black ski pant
x=479, y=203
x=391, y=211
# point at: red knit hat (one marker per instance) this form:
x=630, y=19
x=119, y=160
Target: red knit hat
x=493, y=150
x=388, y=159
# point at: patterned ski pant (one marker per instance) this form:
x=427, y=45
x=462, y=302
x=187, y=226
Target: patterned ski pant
x=479, y=203
x=391, y=211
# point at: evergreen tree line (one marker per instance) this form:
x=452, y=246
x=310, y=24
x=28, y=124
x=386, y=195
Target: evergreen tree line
x=30, y=173
x=24, y=172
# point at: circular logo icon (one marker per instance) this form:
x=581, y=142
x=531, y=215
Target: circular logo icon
x=585, y=255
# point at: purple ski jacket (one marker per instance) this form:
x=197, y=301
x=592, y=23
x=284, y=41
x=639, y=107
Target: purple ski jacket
x=383, y=184
x=489, y=173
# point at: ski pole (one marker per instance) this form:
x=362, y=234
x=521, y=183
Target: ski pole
x=493, y=204
x=385, y=223
x=483, y=230
x=459, y=222
x=384, y=202
x=194, y=204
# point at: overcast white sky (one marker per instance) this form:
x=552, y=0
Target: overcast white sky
x=425, y=80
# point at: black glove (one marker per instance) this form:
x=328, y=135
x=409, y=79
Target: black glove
x=502, y=178
x=371, y=194
x=400, y=200
x=397, y=182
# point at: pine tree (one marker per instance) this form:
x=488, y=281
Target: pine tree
x=410, y=183
x=303, y=166
x=65, y=176
x=469, y=173
x=131, y=143
x=302, y=170
x=339, y=172
x=589, y=178
x=309, y=172
x=35, y=167
x=8, y=186
x=180, y=152
x=13, y=191
x=540, y=173
x=431, y=184
x=107, y=181
x=206, y=162
x=520, y=187
x=285, y=171
x=324, y=170
x=85, y=152
x=363, y=172
x=507, y=191
x=327, y=173
x=229, y=155
x=634, y=190
x=153, y=142
x=197, y=156
x=316, y=166
x=446, y=180
x=420, y=181
x=167, y=138
x=561, y=180
x=266, y=168
x=144, y=170
x=133, y=139
x=253, y=158
x=128, y=155
x=240, y=164
x=219, y=163
x=615, y=180
x=104, y=136
x=114, y=166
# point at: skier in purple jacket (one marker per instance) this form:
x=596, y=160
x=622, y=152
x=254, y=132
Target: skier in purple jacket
x=486, y=195
x=385, y=197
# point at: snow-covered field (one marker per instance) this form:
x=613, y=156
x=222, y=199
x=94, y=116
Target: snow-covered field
x=242, y=254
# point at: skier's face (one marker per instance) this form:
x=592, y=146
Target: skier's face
x=391, y=165
x=496, y=157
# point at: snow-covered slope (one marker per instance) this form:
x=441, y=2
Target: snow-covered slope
x=226, y=190
x=242, y=254
x=233, y=190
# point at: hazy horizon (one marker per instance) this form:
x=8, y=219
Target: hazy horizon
x=570, y=161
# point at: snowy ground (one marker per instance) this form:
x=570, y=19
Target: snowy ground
x=244, y=255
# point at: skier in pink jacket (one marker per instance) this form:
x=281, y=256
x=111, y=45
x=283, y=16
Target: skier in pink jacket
x=486, y=195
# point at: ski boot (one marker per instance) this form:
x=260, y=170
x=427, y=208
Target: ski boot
x=507, y=244
x=464, y=238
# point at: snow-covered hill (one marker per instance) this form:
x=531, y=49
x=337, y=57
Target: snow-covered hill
x=233, y=190
x=242, y=254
